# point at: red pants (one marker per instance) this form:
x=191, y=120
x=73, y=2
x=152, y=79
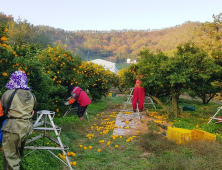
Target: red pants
x=138, y=93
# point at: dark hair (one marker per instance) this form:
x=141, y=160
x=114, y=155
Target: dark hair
x=70, y=88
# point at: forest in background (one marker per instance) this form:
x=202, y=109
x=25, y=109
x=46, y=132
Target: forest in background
x=113, y=45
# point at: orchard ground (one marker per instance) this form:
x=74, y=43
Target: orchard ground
x=144, y=151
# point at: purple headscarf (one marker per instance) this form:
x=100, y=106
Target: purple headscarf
x=18, y=80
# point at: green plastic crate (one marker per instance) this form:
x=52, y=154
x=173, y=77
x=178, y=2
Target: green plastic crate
x=114, y=95
x=188, y=108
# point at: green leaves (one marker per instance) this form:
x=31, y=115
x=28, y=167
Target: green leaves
x=189, y=69
x=208, y=36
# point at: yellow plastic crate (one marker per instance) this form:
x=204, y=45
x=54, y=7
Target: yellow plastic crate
x=202, y=135
x=110, y=94
x=180, y=136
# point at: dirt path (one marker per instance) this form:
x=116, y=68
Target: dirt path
x=122, y=95
x=136, y=125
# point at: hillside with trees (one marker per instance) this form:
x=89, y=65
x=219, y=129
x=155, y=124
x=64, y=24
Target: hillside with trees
x=90, y=44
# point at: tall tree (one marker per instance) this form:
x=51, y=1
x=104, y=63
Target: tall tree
x=175, y=73
x=209, y=36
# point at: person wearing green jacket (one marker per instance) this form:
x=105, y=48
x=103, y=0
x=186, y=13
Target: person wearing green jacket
x=19, y=119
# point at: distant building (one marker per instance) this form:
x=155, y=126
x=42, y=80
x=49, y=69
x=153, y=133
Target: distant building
x=128, y=60
x=107, y=65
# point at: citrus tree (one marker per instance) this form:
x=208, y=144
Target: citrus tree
x=130, y=75
x=27, y=60
x=120, y=81
x=206, y=81
x=96, y=79
x=63, y=70
x=208, y=35
x=6, y=57
x=174, y=73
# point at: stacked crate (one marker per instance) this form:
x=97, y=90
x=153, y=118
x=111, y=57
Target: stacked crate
x=183, y=136
x=202, y=135
x=180, y=136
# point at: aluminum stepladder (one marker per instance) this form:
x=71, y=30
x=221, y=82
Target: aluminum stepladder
x=214, y=116
x=129, y=101
x=148, y=100
x=41, y=124
x=71, y=108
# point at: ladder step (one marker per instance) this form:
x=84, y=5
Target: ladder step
x=47, y=136
x=45, y=128
x=55, y=140
x=45, y=147
x=48, y=123
x=34, y=139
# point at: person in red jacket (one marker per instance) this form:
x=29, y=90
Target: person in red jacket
x=138, y=94
x=81, y=97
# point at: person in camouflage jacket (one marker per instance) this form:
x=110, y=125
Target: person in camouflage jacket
x=19, y=123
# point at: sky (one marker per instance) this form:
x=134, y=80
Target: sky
x=73, y=15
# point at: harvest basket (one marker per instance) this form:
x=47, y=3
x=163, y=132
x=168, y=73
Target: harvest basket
x=180, y=136
x=202, y=135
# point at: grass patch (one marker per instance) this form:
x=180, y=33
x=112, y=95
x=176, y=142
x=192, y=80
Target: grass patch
x=150, y=151
x=73, y=133
x=164, y=154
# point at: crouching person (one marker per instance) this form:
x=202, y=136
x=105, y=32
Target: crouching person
x=18, y=103
x=82, y=99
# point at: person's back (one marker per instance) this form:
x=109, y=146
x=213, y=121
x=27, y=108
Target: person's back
x=19, y=112
x=19, y=123
x=138, y=81
x=82, y=99
x=138, y=94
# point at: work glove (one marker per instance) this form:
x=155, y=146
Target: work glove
x=66, y=103
x=68, y=99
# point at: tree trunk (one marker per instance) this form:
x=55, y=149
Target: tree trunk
x=207, y=100
x=175, y=98
x=120, y=89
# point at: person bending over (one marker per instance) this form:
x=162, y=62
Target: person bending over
x=77, y=94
